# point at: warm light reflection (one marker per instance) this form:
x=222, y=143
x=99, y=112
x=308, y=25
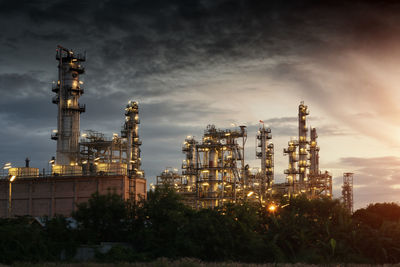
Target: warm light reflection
x=272, y=208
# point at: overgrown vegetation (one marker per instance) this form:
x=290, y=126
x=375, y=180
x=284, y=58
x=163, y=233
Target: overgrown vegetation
x=309, y=231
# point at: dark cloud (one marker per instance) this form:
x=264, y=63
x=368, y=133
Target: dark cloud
x=156, y=51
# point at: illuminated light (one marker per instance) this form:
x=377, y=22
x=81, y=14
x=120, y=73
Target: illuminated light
x=250, y=193
x=7, y=164
x=80, y=82
x=84, y=162
x=272, y=208
x=55, y=131
x=84, y=135
x=13, y=178
x=96, y=159
x=7, y=167
x=205, y=184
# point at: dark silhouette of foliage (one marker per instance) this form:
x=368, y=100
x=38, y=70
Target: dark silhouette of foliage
x=375, y=214
x=102, y=218
x=319, y=231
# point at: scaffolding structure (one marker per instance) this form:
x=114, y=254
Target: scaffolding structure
x=347, y=191
x=171, y=178
x=68, y=91
x=116, y=155
x=213, y=170
x=220, y=166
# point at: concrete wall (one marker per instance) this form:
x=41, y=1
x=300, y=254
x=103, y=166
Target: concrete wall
x=60, y=195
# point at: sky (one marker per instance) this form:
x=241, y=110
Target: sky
x=194, y=63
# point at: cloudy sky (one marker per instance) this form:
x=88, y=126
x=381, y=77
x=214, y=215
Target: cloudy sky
x=193, y=63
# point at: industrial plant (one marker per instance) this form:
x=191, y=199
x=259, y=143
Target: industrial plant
x=214, y=168
x=84, y=164
x=215, y=172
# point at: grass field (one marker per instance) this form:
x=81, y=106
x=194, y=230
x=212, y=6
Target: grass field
x=182, y=263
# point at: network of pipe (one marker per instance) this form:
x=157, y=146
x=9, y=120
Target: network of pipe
x=215, y=172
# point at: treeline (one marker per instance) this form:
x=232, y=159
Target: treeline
x=317, y=231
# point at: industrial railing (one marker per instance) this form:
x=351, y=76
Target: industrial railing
x=49, y=174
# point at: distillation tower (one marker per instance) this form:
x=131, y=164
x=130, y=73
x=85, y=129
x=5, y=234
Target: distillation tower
x=291, y=172
x=347, y=191
x=303, y=154
x=319, y=184
x=189, y=171
x=266, y=154
x=133, y=143
x=314, y=152
x=68, y=90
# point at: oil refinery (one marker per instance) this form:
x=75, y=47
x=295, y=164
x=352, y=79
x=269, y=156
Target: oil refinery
x=84, y=164
x=215, y=172
x=214, y=168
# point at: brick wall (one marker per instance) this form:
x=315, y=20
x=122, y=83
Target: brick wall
x=60, y=195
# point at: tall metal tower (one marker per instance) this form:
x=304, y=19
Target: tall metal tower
x=131, y=133
x=189, y=163
x=347, y=191
x=314, y=152
x=303, y=154
x=266, y=154
x=68, y=90
x=292, y=171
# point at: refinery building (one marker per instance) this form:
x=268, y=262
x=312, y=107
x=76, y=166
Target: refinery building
x=84, y=164
x=214, y=169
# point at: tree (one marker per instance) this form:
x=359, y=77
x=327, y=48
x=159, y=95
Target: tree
x=102, y=218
